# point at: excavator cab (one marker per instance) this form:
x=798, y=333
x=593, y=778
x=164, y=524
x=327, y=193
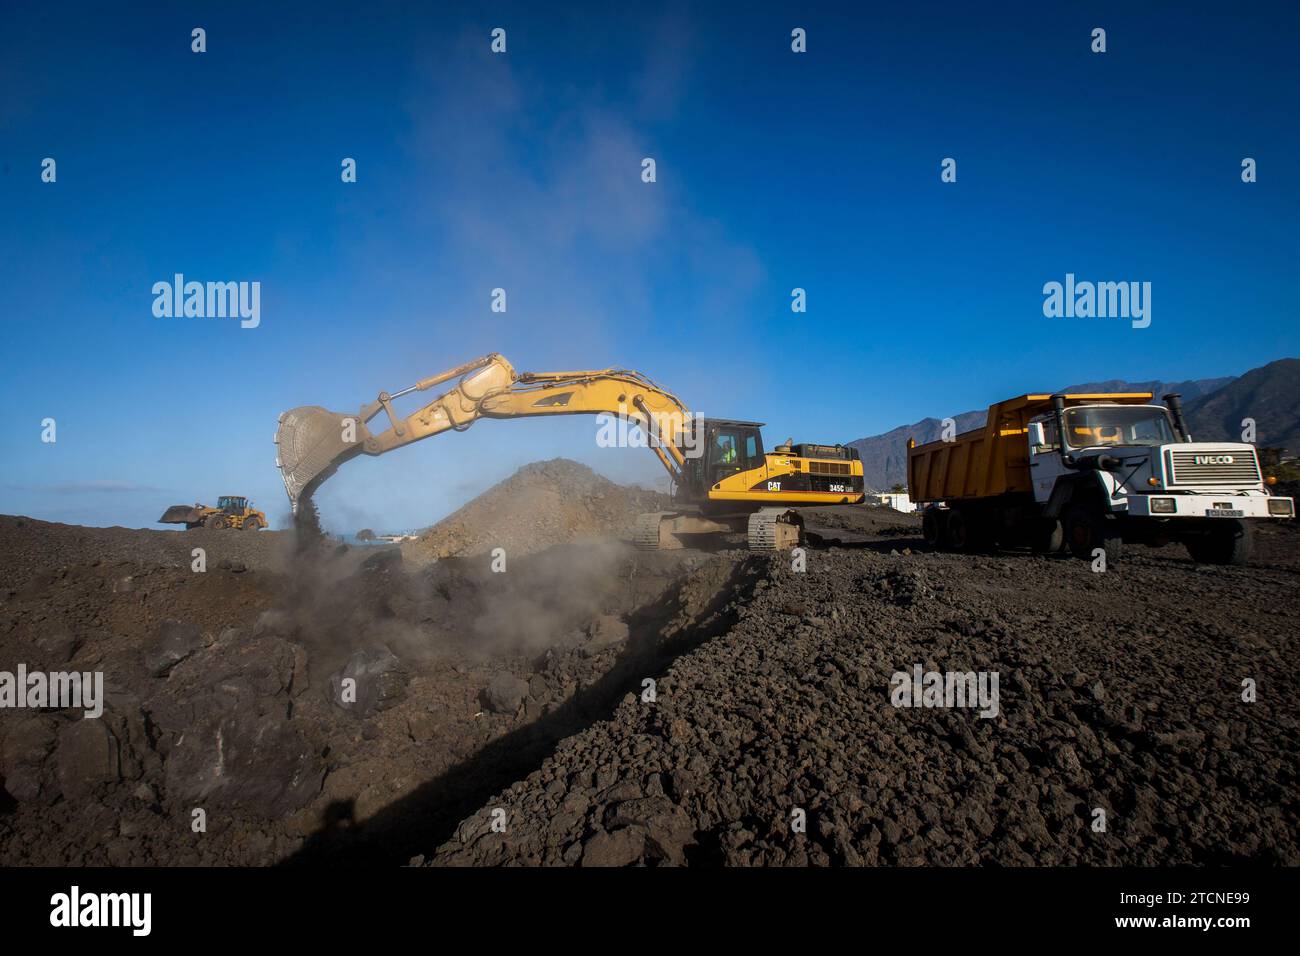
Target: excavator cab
x=728, y=448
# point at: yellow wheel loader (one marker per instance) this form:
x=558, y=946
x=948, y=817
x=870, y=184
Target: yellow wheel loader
x=232, y=511
x=723, y=479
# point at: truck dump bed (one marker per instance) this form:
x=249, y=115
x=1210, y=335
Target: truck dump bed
x=993, y=460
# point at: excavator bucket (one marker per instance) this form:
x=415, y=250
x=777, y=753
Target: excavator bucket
x=313, y=442
x=181, y=514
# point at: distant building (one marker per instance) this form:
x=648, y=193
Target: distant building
x=899, y=501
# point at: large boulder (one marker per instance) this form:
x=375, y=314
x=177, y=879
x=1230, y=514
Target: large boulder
x=235, y=673
x=174, y=642
x=223, y=713
x=25, y=752
x=59, y=644
x=377, y=682
x=620, y=848
x=259, y=764
x=668, y=829
x=88, y=756
x=504, y=694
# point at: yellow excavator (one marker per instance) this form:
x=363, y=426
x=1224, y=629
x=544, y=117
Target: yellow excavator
x=723, y=480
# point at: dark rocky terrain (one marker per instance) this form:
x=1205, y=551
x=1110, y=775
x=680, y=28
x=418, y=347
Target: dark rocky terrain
x=521, y=692
x=1119, y=691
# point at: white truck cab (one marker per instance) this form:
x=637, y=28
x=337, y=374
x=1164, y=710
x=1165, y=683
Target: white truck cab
x=1152, y=482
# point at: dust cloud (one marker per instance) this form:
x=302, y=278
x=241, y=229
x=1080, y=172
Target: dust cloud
x=340, y=599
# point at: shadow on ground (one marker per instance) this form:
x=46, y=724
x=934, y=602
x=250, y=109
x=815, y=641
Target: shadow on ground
x=428, y=817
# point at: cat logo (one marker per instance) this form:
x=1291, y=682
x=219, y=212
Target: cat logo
x=1214, y=459
x=774, y=486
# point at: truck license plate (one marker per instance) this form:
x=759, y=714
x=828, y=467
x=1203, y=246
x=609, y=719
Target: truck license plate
x=1223, y=513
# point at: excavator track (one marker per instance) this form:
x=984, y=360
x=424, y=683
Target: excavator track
x=769, y=529
x=671, y=530
x=646, y=534
x=775, y=529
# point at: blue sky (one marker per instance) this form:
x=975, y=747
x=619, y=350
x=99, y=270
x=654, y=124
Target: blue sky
x=522, y=171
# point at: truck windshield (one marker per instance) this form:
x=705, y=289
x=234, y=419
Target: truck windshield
x=1089, y=426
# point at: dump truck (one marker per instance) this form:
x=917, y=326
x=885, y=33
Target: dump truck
x=232, y=511
x=724, y=479
x=1091, y=472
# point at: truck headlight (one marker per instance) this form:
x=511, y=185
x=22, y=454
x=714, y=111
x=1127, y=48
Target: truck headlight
x=1163, y=506
x=1281, y=506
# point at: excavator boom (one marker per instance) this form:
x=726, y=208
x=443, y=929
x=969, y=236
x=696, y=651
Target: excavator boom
x=314, y=441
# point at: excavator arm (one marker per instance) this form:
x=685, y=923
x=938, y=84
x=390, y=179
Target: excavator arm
x=313, y=441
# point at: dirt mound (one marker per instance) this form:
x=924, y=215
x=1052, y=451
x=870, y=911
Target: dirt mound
x=542, y=504
x=32, y=548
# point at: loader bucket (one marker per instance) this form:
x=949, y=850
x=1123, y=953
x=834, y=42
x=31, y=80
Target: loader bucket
x=313, y=442
x=181, y=514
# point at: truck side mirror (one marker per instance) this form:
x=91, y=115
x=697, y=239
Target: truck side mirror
x=1036, y=437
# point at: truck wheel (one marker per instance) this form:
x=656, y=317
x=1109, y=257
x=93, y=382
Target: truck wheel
x=1229, y=543
x=1087, y=529
x=251, y=524
x=1047, y=536
x=959, y=530
x=215, y=522
x=932, y=527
